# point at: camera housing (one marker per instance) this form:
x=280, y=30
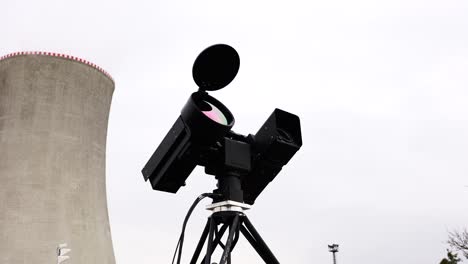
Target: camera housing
x=179, y=152
x=274, y=145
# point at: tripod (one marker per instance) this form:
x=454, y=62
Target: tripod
x=229, y=214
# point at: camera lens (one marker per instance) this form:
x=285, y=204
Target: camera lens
x=213, y=113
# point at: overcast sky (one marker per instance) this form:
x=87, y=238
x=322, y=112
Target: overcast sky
x=380, y=87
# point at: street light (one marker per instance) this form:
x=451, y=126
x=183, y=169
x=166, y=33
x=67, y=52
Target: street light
x=333, y=249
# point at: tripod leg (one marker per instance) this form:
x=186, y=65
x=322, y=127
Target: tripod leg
x=203, y=237
x=216, y=241
x=232, y=231
x=261, y=246
x=234, y=242
x=209, y=246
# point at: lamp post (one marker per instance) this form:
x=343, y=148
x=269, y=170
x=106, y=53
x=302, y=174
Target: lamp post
x=333, y=249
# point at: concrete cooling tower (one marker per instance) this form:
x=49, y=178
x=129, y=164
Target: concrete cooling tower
x=53, y=124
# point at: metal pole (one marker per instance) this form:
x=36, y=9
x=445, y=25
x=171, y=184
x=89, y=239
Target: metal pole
x=333, y=249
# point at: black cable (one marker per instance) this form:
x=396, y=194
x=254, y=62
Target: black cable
x=180, y=243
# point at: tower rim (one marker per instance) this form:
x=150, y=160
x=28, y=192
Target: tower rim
x=58, y=55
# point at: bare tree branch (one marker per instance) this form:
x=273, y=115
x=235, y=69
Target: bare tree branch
x=459, y=241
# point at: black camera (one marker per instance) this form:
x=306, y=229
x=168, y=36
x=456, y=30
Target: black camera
x=202, y=135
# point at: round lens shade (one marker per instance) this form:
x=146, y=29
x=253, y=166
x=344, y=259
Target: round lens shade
x=215, y=114
x=216, y=67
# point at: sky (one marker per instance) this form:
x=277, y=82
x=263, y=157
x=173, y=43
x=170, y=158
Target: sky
x=380, y=88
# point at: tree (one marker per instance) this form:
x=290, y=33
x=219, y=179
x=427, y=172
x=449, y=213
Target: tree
x=459, y=241
x=451, y=258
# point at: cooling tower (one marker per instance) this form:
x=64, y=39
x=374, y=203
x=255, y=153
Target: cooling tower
x=53, y=124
